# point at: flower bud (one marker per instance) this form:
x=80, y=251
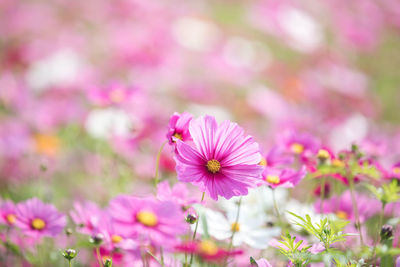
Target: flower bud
x=68, y=231
x=96, y=239
x=107, y=262
x=69, y=254
x=191, y=218
x=386, y=232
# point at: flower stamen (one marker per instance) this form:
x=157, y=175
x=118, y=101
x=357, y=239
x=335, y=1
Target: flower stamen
x=38, y=224
x=213, y=166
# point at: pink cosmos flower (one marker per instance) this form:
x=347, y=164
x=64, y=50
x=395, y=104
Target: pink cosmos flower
x=38, y=219
x=147, y=219
x=224, y=162
x=276, y=157
x=393, y=172
x=178, y=127
x=302, y=144
x=87, y=217
x=286, y=178
x=7, y=213
x=207, y=250
x=263, y=263
x=178, y=194
x=114, y=93
x=343, y=208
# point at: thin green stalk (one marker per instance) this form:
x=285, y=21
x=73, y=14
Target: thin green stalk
x=195, y=231
x=156, y=180
x=276, y=206
x=99, y=256
x=154, y=257
x=234, y=231
x=69, y=263
x=355, y=209
x=322, y=194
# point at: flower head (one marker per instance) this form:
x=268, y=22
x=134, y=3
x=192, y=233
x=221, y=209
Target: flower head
x=38, y=219
x=157, y=221
x=178, y=193
x=283, y=177
x=224, y=162
x=178, y=127
x=87, y=216
x=7, y=213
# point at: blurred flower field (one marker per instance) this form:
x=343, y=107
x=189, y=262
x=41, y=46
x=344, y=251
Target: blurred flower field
x=199, y=133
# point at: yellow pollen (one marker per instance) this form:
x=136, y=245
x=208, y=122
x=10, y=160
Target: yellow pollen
x=47, y=144
x=338, y=163
x=11, y=218
x=147, y=218
x=213, y=166
x=273, y=179
x=342, y=215
x=297, y=148
x=208, y=247
x=38, y=224
x=178, y=136
x=323, y=154
x=396, y=170
x=116, y=239
x=117, y=95
x=235, y=227
x=263, y=162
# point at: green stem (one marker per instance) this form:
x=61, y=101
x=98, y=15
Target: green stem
x=233, y=230
x=69, y=263
x=195, y=231
x=158, y=163
x=154, y=257
x=99, y=256
x=355, y=209
x=276, y=206
x=322, y=194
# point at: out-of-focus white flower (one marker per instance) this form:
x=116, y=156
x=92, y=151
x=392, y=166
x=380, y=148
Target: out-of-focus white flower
x=250, y=229
x=59, y=68
x=195, y=33
x=105, y=123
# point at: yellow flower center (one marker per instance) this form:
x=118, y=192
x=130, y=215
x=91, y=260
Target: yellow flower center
x=323, y=154
x=396, y=170
x=178, y=136
x=147, y=218
x=273, y=179
x=235, y=227
x=338, y=163
x=213, y=166
x=208, y=247
x=47, y=144
x=342, y=215
x=297, y=148
x=38, y=224
x=263, y=162
x=117, y=95
x=11, y=218
x=116, y=239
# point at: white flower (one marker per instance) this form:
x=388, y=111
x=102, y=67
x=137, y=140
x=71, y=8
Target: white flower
x=250, y=229
x=105, y=123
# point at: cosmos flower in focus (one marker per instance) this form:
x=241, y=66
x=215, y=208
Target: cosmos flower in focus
x=37, y=219
x=178, y=127
x=146, y=218
x=224, y=162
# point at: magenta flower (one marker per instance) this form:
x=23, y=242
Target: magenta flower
x=178, y=194
x=224, y=162
x=87, y=217
x=38, y=219
x=7, y=213
x=302, y=144
x=286, y=178
x=276, y=157
x=178, y=127
x=114, y=93
x=147, y=219
x=342, y=206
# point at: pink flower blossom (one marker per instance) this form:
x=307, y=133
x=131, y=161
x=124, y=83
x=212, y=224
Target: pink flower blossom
x=38, y=219
x=87, y=217
x=147, y=219
x=224, y=162
x=7, y=213
x=286, y=178
x=178, y=127
x=178, y=194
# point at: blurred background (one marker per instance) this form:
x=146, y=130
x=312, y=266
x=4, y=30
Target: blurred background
x=87, y=87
